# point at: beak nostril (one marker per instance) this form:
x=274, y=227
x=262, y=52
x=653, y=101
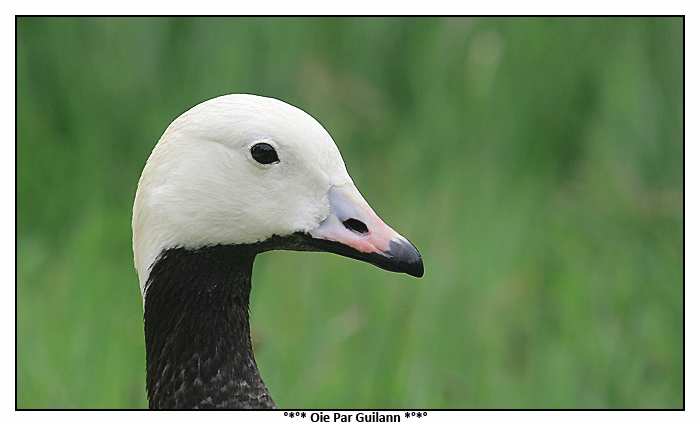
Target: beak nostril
x=356, y=225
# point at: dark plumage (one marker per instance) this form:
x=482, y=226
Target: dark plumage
x=199, y=353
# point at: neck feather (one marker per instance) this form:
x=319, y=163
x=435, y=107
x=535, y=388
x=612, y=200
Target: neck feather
x=198, y=349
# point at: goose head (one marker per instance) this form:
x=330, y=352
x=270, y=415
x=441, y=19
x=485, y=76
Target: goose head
x=242, y=169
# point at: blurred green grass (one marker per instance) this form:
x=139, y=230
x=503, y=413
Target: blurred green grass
x=535, y=162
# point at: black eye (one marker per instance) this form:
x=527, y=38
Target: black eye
x=264, y=153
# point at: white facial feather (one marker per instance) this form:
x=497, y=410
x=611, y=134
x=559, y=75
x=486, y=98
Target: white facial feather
x=201, y=185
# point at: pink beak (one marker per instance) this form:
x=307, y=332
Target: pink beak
x=352, y=229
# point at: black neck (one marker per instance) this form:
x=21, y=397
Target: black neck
x=198, y=349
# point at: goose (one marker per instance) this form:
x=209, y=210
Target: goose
x=230, y=178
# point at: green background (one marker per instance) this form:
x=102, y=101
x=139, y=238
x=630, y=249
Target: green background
x=536, y=163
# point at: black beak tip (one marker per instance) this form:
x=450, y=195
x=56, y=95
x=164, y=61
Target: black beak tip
x=406, y=257
x=416, y=269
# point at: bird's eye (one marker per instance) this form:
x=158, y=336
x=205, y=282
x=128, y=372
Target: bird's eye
x=264, y=153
